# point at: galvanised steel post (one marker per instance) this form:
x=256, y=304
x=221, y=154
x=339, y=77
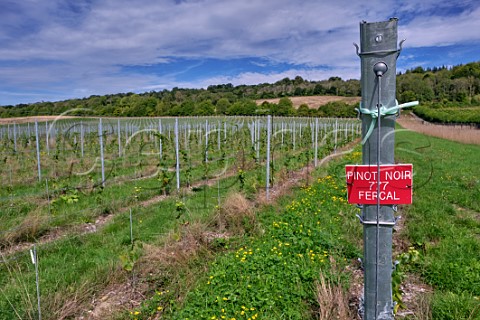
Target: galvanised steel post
x=177, y=155
x=269, y=134
x=37, y=144
x=102, y=159
x=378, y=54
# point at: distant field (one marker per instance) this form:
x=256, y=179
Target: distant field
x=313, y=101
x=30, y=119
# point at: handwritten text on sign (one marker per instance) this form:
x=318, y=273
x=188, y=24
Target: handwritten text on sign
x=395, y=184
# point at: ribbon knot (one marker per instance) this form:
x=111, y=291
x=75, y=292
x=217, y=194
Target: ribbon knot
x=384, y=111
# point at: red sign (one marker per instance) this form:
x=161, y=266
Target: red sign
x=395, y=184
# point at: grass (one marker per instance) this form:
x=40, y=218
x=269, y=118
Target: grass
x=333, y=302
x=271, y=272
x=283, y=260
x=75, y=268
x=310, y=237
x=443, y=221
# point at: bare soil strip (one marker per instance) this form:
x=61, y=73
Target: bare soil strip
x=463, y=134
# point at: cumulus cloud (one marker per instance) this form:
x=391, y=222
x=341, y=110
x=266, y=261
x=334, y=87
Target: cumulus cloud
x=444, y=30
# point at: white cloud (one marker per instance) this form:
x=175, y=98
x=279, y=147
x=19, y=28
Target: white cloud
x=146, y=29
x=250, y=78
x=443, y=30
x=86, y=46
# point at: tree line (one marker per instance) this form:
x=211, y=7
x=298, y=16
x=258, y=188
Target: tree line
x=438, y=87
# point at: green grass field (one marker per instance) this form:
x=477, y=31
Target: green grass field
x=443, y=222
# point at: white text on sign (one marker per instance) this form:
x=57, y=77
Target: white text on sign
x=395, y=185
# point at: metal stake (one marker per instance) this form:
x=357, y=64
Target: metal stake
x=269, y=133
x=378, y=73
x=35, y=262
x=46, y=137
x=37, y=143
x=177, y=156
x=48, y=196
x=206, y=140
x=378, y=54
x=316, y=142
x=119, y=139
x=131, y=228
x=102, y=160
x=160, y=138
x=81, y=138
x=15, y=137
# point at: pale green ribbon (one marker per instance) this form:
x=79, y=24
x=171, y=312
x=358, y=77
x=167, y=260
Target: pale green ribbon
x=384, y=111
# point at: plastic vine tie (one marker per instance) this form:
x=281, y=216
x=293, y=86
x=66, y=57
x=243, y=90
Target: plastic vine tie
x=384, y=111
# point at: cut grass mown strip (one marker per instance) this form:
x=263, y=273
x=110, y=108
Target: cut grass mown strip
x=443, y=222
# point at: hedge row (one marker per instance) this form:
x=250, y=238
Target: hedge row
x=469, y=115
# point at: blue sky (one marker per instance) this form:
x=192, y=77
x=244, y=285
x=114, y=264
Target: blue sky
x=60, y=49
